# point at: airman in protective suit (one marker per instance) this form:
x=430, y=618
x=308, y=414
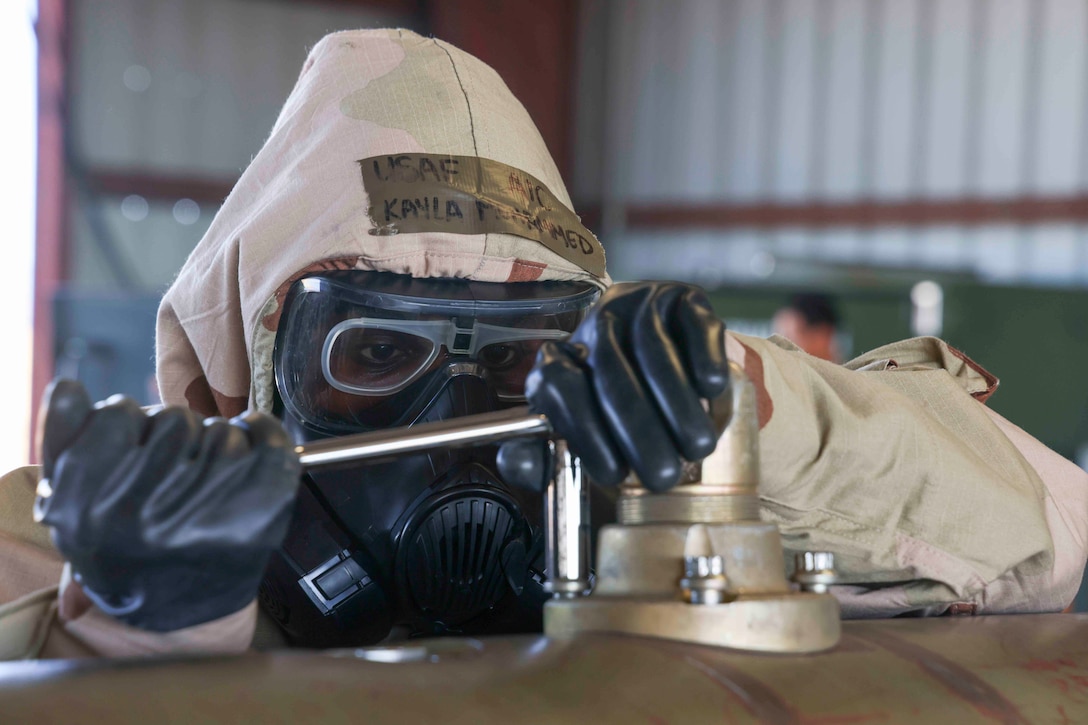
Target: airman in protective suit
x=403, y=250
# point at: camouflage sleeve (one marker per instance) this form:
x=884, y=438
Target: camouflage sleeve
x=895, y=465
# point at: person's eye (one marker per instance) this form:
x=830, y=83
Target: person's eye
x=500, y=356
x=379, y=354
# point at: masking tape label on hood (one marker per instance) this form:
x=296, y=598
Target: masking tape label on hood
x=416, y=192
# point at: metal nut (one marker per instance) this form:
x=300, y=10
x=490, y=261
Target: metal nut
x=704, y=581
x=815, y=571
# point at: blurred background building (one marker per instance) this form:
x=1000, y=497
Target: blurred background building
x=924, y=161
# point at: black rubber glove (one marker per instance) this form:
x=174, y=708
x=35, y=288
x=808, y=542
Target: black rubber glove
x=624, y=390
x=167, y=520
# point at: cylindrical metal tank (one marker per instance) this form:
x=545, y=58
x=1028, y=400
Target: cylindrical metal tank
x=999, y=669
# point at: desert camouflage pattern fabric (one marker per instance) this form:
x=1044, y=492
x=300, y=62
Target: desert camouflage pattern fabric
x=301, y=206
x=931, y=502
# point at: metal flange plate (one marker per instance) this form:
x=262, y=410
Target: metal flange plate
x=795, y=622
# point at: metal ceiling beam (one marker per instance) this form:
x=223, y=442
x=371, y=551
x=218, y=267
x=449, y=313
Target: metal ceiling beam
x=963, y=211
x=158, y=185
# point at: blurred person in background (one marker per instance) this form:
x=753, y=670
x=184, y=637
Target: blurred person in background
x=811, y=321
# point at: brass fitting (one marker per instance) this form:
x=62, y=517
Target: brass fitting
x=720, y=490
x=732, y=563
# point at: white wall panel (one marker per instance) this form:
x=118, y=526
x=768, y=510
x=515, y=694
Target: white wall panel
x=1082, y=256
x=1061, y=121
x=792, y=242
x=749, y=89
x=219, y=69
x=839, y=176
x=791, y=155
x=656, y=167
x=895, y=116
x=727, y=34
x=1001, y=136
x=622, y=79
x=948, y=95
x=892, y=247
x=805, y=101
x=941, y=247
x=104, y=47
x=702, y=151
x=837, y=245
x=1053, y=254
x=634, y=68
x=998, y=252
x=796, y=100
x=592, y=94
x=154, y=248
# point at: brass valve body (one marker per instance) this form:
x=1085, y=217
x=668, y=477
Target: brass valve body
x=695, y=563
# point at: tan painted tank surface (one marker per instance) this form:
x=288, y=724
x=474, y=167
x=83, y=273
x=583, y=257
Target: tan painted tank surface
x=1009, y=669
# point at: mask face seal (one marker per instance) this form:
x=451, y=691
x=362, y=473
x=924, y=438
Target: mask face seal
x=429, y=543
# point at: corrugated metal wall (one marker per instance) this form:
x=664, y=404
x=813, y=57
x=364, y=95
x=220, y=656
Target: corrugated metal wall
x=191, y=86
x=832, y=101
x=178, y=90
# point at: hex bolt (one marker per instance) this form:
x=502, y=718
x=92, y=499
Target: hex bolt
x=814, y=571
x=704, y=581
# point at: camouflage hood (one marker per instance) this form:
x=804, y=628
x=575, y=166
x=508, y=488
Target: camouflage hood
x=394, y=152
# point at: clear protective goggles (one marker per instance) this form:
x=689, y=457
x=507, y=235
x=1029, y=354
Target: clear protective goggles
x=369, y=356
x=356, y=350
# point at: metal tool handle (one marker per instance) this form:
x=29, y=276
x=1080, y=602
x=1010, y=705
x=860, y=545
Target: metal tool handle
x=469, y=430
x=566, y=498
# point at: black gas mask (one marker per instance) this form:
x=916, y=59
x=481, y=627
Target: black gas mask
x=428, y=543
